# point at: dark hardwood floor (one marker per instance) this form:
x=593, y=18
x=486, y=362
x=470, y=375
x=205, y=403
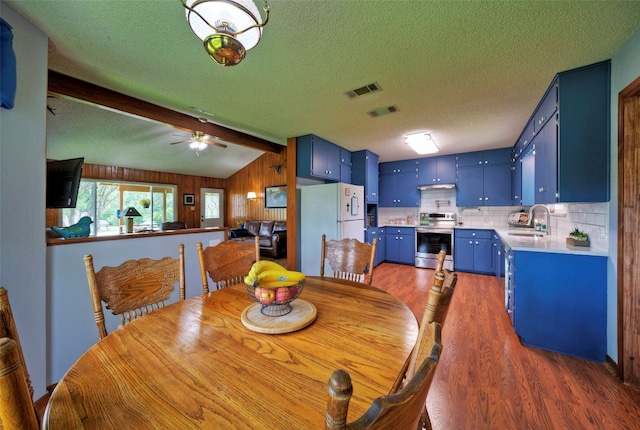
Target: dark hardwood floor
x=486, y=379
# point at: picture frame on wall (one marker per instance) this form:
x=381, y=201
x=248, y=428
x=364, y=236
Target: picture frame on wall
x=275, y=196
x=189, y=199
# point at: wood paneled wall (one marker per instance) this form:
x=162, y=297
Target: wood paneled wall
x=185, y=183
x=255, y=177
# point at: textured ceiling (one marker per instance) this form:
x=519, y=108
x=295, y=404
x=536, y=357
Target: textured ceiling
x=468, y=72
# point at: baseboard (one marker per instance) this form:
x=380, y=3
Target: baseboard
x=612, y=367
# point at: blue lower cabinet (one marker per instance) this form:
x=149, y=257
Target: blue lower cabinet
x=561, y=303
x=376, y=233
x=473, y=251
x=497, y=253
x=400, y=244
x=381, y=252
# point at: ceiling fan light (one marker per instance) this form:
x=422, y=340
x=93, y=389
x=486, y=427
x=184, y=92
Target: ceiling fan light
x=237, y=15
x=198, y=145
x=224, y=49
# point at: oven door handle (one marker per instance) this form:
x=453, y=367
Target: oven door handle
x=434, y=230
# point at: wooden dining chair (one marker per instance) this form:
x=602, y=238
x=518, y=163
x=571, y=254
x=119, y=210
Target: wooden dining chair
x=440, y=293
x=134, y=288
x=227, y=263
x=349, y=259
x=446, y=296
x=399, y=411
x=16, y=404
x=8, y=329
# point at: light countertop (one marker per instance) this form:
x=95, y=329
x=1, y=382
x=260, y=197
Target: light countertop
x=551, y=244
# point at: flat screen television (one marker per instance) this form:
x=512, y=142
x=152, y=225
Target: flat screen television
x=63, y=181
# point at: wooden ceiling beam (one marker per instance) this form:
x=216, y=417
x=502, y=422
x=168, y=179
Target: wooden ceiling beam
x=68, y=87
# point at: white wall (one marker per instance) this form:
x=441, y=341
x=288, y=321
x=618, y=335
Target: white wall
x=71, y=325
x=22, y=195
x=625, y=68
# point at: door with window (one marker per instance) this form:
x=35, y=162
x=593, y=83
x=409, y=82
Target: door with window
x=211, y=207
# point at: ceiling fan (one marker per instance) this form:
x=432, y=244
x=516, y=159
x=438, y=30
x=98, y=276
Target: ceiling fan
x=199, y=141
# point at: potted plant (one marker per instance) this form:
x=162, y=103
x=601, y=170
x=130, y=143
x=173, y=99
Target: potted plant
x=240, y=222
x=145, y=203
x=578, y=238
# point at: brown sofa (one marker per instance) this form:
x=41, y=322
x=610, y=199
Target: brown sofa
x=272, y=236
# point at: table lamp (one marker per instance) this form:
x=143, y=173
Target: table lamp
x=130, y=213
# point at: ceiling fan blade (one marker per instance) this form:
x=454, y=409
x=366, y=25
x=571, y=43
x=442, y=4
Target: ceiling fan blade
x=213, y=142
x=182, y=141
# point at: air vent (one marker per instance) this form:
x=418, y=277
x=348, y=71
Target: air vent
x=367, y=89
x=382, y=111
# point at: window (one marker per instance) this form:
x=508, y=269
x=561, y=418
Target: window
x=106, y=202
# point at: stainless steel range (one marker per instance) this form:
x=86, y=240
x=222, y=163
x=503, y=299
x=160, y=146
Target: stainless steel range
x=434, y=234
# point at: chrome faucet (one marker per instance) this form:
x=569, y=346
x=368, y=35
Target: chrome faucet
x=548, y=215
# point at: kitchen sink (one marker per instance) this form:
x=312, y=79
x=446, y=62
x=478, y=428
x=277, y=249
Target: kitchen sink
x=527, y=234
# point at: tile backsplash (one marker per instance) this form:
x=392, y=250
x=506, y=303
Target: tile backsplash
x=592, y=218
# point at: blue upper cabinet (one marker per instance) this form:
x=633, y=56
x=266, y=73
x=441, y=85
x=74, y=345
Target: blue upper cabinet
x=399, y=184
x=572, y=138
x=484, y=178
x=483, y=158
x=516, y=182
x=317, y=158
x=437, y=170
x=364, y=171
x=546, y=153
x=345, y=166
x=524, y=140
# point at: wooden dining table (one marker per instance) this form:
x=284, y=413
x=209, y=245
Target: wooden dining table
x=194, y=364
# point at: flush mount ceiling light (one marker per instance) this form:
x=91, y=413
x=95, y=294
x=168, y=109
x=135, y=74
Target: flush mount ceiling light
x=422, y=143
x=228, y=28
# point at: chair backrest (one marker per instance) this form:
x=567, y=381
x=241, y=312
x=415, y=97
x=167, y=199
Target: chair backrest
x=134, y=288
x=430, y=334
x=446, y=295
x=227, y=263
x=8, y=329
x=349, y=259
x=440, y=261
x=16, y=405
x=399, y=411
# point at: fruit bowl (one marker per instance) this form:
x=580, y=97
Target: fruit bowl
x=275, y=302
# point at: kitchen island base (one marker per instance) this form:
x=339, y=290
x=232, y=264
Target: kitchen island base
x=561, y=302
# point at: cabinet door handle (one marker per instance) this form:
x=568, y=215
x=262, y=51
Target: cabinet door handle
x=541, y=189
x=471, y=242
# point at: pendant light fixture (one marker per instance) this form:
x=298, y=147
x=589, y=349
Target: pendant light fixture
x=228, y=28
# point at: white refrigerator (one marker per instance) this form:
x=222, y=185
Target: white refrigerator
x=336, y=210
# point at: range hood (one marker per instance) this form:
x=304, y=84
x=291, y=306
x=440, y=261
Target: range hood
x=437, y=187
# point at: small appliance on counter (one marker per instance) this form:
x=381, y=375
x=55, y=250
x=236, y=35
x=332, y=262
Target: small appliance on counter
x=519, y=219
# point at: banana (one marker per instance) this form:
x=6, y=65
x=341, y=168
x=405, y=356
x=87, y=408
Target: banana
x=249, y=279
x=263, y=265
x=280, y=275
x=276, y=284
